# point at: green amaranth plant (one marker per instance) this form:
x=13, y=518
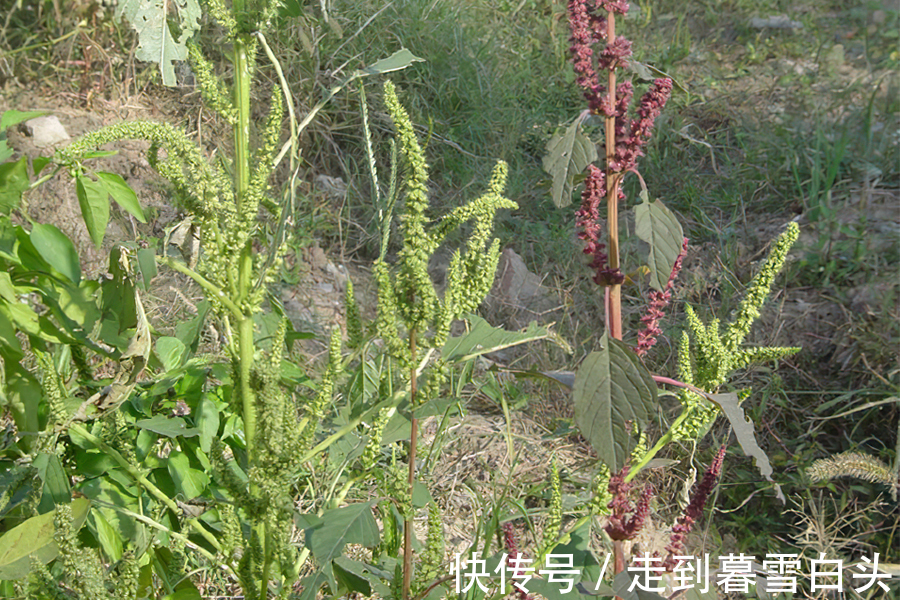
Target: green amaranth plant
x=412, y=319
x=255, y=470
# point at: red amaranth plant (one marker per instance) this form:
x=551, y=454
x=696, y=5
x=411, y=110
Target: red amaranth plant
x=625, y=138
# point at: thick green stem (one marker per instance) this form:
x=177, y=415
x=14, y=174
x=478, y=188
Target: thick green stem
x=242, y=128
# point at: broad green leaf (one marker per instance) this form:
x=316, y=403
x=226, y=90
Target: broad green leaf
x=484, y=339
x=352, y=573
x=656, y=225
x=188, y=481
x=13, y=182
x=207, y=422
x=20, y=483
x=25, y=318
x=38, y=164
x=109, y=538
x=14, y=117
x=568, y=154
x=398, y=60
x=94, y=201
x=187, y=593
x=78, y=304
x=189, y=331
x=743, y=430
x=10, y=347
x=56, y=484
x=122, y=193
x=167, y=426
x=612, y=387
x=117, y=291
x=33, y=539
x=23, y=394
x=156, y=40
x=58, y=250
x=170, y=351
x=352, y=524
x=147, y=264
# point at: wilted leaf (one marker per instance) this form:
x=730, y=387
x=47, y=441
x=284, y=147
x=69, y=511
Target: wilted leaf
x=612, y=387
x=743, y=430
x=33, y=539
x=156, y=43
x=567, y=156
x=656, y=225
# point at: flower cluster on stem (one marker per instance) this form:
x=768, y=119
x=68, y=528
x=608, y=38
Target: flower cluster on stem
x=626, y=518
x=694, y=509
x=659, y=300
x=592, y=26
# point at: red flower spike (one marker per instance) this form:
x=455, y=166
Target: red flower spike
x=512, y=547
x=621, y=526
x=694, y=509
x=659, y=300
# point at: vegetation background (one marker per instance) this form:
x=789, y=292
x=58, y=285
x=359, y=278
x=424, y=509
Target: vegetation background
x=782, y=111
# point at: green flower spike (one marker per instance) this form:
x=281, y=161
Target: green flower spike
x=717, y=355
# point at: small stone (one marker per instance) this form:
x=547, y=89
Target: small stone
x=775, y=22
x=317, y=258
x=46, y=131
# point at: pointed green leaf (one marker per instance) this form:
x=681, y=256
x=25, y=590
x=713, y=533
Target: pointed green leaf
x=33, y=539
x=398, y=60
x=57, y=249
x=743, y=430
x=122, y=193
x=568, y=154
x=56, y=484
x=352, y=524
x=170, y=351
x=168, y=426
x=612, y=387
x=189, y=481
x=14, y=117
x=483, y=338
x=13, y=182
x=658, y=226
x=147, y=263
x=207, y=422
x=109, y=538
x=94, y=201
